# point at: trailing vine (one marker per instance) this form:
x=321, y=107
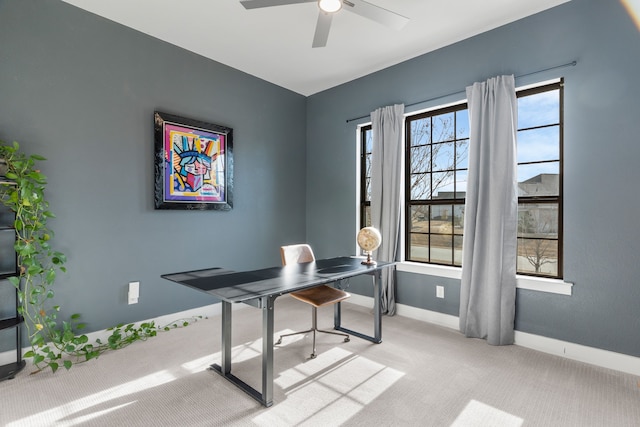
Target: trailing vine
x=54, y=343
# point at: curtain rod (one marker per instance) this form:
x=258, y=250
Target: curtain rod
x=568, y=64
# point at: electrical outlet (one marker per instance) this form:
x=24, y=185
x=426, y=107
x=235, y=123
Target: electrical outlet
x=134, y=292
x=440, y=291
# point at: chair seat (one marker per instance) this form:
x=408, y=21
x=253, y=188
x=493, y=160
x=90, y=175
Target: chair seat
x=321, y=295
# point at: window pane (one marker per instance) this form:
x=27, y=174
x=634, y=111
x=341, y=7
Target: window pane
x=419, y=218
x=443, y=129
x=462, y=124
x=538, y=256
x=457, y=250
x=538, y=220
x=443, y=185
x=539, y=179
x=461, y=184
x=367, y=217
x=536, y=145
x=421, y=131
x=458, y=219
x=420, y=158
x=462, y=154
x=367, y=194
x=419, y=248
x=368, y=141
x=420, y=186
x=443, y=156
x=539, y=109
x=441, y=219
x=441, y=249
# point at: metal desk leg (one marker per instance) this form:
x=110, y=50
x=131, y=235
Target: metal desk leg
x=224, y=369
x=377, y=315
x=226, y=338
x=267, y=350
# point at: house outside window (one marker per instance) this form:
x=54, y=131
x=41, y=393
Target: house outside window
x=436, y=163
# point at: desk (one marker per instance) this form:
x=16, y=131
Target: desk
x=260, y=288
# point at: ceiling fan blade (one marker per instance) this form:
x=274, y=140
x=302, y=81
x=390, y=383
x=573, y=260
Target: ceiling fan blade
x=376, y=13
x=255, y=4
x=322, y=29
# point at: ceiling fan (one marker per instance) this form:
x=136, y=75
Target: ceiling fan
x=329, y=7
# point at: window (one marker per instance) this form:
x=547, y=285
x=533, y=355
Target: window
x=436, y=154
x=437, y=144
x=366, y=135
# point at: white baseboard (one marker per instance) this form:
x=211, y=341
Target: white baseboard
x=594, y=356
x=581, y=353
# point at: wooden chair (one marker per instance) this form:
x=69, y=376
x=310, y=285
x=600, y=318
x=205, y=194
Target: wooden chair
x=317, y=297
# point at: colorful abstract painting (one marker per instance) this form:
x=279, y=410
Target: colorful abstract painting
x=195, y=163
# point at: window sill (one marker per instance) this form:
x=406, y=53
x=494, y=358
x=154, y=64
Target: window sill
x=541, y=284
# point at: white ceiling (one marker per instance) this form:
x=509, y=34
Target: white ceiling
x=274, y=43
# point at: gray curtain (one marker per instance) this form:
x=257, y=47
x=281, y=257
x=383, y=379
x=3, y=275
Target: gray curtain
x=386, y=184
x=488, y=288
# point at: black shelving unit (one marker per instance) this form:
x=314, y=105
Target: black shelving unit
x=10, y=320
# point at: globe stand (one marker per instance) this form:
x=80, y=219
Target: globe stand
x=369, y=261
x=369, y=240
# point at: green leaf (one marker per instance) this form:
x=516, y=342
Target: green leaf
x=92, y=355
x=53, y=366
x=67, y=364
x=28, y=354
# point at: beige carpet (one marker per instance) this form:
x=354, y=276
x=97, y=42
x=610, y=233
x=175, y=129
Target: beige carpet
x=421, y=375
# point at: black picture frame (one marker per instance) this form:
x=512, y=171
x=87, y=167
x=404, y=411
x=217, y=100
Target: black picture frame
x=193, y=164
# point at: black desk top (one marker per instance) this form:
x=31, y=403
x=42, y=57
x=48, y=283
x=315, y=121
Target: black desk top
x=247, y=285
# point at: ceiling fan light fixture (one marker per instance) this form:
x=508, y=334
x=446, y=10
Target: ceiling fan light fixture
x=330, y=6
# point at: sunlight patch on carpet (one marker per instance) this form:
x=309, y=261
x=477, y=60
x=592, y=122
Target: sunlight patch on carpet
x=480, y=414
x=65, y=412
x=328, y=390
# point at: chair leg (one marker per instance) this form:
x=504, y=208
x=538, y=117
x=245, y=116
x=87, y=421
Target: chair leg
x=314, y=325
x=314, y=329
x=293, y=333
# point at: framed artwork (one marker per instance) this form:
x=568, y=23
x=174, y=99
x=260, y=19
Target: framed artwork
x=193, y=164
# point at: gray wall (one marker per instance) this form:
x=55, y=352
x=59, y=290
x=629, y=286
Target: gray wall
x=81, y=91
x=601, y=161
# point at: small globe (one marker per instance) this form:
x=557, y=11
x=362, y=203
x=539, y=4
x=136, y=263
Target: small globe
x=369, y=239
